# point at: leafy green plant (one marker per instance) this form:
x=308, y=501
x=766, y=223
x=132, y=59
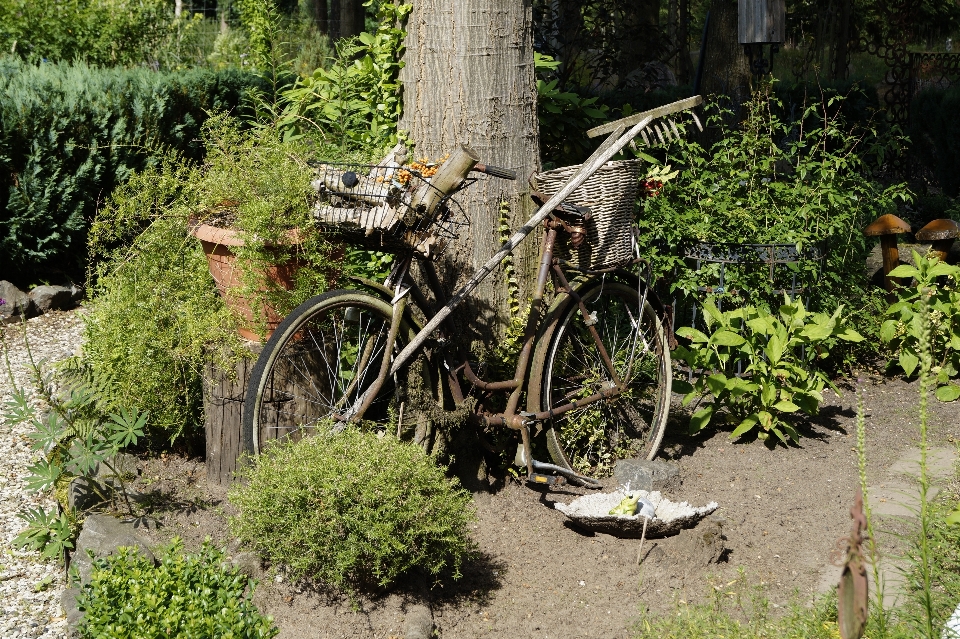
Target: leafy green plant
x=564, y=116
x=806, y=182
x=903, y=330
x=743, y=611
x=777, y=353
x=73, y=440
x=356, y=102
x=192, y=596
x=352, y=510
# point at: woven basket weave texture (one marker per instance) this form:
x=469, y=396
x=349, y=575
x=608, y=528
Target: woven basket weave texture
x=610, y=194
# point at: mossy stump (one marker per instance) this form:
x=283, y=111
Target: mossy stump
x=223, y=395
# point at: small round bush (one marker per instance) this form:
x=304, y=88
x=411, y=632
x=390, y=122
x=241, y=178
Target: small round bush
x=186, y=596
x=353, y=510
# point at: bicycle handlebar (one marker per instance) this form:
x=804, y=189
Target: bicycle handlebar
x=496, y=171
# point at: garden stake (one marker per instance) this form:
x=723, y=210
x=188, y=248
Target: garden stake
x=643, y=534
x=400, y=420
x=646, y=511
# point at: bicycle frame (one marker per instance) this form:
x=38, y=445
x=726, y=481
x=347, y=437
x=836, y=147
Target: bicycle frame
x=437, y=321
x=402, y=287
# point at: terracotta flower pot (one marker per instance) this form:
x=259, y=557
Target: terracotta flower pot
x=217, y=243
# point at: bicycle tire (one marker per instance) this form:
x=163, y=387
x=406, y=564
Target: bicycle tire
x=567, y=365
x=306, y=370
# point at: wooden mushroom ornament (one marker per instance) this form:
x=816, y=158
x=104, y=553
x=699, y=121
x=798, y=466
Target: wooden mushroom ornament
x=887, y=228
x=940, y=234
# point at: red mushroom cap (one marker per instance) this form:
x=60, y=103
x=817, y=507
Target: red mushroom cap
x=939, y=230
x=888, y=224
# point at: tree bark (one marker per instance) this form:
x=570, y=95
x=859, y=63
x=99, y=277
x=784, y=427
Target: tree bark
x=726, y=70
x=352, y=15
x=336, y=23
x=469, y=79
x=570, y=23
x=641, y=30
x=320, y=16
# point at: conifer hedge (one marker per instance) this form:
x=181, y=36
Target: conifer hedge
x=69, y=133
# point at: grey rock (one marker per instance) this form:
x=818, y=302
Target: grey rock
x=418, y=623
x=84, y=493
x=68, y=600
x=123, y=463
x=247, y=563
x=101, y=536
x=648, y=475
x=51, y=298
x=17, y=304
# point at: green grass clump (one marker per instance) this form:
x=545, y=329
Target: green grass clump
x=186, y=596
x=353, y=510
x=740, y=611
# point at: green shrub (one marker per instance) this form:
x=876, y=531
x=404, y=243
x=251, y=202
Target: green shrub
x=777, y=354
x=70, y=133
x=155, y=316
x=355, y=102
x=352, y=510
x=804, y=182
x=101, y=32
x=156, y=319
x=935, y=288
x=186, y=596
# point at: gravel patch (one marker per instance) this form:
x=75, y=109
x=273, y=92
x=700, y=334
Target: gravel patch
x=30, y=588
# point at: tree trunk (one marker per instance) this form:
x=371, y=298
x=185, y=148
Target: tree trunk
x=684, y=65
x=726, y=70
x=224, y=8
x=320, y=16
x=178, y=8
x=641, y=29
x=336, y=23
x=469, y=79
x=570, y=34
x=352, y=15
x=840, y=53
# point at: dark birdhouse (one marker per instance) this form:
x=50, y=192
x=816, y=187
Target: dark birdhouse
x=761, y=21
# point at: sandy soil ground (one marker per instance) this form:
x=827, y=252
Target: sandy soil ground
x=783, y=512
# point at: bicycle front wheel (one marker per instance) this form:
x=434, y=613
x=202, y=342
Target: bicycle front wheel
x=569, y=367
x=318, y=362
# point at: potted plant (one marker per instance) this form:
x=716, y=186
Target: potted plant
x=254, y=223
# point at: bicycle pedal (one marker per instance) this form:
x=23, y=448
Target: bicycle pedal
x=538, y=479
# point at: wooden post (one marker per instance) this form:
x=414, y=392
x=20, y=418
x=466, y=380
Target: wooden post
x=223, y=396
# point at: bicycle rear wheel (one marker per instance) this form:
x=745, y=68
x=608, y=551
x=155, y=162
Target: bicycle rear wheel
x=318, y=362
x=568, y=366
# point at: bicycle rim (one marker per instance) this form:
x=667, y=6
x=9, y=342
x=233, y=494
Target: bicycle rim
x=318, y=362
x=591, y=439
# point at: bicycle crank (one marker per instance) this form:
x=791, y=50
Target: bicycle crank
x=543, y=474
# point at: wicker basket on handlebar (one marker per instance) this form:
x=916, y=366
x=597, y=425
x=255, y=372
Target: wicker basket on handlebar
x=385, y=208
x=611, y=195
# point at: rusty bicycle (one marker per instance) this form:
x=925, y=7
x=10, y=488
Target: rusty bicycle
x=594, y=353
